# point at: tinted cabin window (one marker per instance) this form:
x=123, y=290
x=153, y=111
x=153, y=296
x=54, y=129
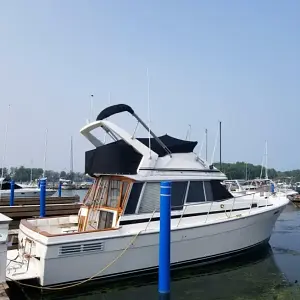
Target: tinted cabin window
x=208, y=191
x=196, y=192
x=219, y=191
x=178, y=194
x=133, y=198
x=151, y=196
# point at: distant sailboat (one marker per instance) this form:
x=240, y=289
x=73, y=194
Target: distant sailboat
x=68, y=184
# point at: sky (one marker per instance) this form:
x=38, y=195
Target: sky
x=208, y=61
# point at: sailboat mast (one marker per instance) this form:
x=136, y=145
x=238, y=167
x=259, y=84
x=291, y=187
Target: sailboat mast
x=266, y=165
x=149, y=114
x=45, y=155
x=31, y=171
x=71, y=159
x=220, y=129
x=206, y=144
x=5, y=142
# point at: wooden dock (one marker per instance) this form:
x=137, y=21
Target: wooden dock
x=295, y=200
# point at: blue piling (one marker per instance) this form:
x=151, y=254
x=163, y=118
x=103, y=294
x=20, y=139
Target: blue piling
x=42, y=198
x=12, y=193
x=272, y=188
x=59, y=189
x=164, y=241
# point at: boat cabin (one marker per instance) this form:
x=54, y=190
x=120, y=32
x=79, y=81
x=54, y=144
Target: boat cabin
x=5, y=184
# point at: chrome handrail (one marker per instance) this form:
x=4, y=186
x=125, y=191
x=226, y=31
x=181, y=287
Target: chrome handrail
x=208, y=212
x=181, y=215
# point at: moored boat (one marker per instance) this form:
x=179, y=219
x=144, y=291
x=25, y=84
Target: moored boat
x=20, y=191
x=116, y=231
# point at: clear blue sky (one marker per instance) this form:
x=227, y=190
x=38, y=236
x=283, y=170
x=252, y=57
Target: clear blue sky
x=235, y=61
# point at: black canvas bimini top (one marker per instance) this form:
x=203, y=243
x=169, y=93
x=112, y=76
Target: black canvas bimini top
x=120, y=158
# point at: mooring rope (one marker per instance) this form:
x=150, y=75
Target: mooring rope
x=56, y=287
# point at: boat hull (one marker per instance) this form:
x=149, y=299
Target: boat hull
x=205, y=243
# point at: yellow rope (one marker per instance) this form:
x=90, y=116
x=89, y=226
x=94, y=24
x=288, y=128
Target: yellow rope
x=84, y=281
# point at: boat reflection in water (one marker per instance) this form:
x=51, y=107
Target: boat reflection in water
x=251, y=276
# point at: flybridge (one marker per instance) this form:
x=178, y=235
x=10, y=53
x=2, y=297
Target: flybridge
x=126, y=153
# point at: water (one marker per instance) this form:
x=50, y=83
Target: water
x=65, y=193
x=271, y=272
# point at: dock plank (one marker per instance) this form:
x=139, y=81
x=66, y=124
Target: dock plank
x=36, y=201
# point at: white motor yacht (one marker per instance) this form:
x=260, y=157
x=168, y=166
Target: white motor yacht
x=116, y=232
x=21, y=191
x=67, y=184
x=261, y=186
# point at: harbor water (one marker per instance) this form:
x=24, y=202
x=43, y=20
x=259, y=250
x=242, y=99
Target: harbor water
x=270, y=272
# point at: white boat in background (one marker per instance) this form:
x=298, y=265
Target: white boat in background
x=85, y=185
x=117, y=229
x=239, y=187
x=20, y=191
x=67, y=184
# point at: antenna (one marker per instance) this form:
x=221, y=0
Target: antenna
x=206, y=144
x=109, y=103
x=201, y=147
x=149, y=120
x=215, y=146
x=45, y=155
x=91, y=108
x=188, y=133
x=5, y=142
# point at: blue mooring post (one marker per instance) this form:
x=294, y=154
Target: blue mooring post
x=59, y=189
x=42, y=197
x=164, y=241
x=272, y=188
x=12, y=193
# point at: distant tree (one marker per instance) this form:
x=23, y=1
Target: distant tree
x=63, y=174
x=5, y=172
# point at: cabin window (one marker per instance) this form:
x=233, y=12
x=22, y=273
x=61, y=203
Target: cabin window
x=150, y=199
x=219, y=191
x=113, y=193
x=100, y=192
x=178, y=194
x=124, y=190
x=196, y=192
x=208, y=191
x=105, y=219
x=133, y=198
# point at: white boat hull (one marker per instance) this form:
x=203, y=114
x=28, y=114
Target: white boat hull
x=195, y=243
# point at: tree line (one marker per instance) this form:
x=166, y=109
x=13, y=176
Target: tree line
x=243, y=170
x=238, y=170
x=22, y=174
